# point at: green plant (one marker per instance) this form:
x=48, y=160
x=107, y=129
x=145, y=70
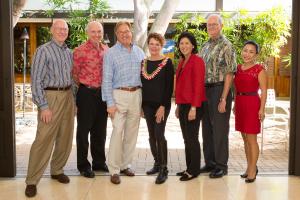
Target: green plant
x=269, y=29
x=78, y=19
x=288, y=60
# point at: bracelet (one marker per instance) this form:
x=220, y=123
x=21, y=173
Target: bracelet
x=222, y=99
x=193, y=108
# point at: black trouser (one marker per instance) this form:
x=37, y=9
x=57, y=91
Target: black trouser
x=157, y=140
x=215, y=129
x=91, y=118
x=190, y=133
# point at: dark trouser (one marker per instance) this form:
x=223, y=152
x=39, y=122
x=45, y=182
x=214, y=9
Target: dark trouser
x=91, y=118
x=157, y=140
x=215, y=128
x=190, y=133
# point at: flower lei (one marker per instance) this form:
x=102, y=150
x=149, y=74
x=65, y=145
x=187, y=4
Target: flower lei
x=148, y=76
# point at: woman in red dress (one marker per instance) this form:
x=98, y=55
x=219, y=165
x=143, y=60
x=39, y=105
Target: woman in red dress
x=249, y=106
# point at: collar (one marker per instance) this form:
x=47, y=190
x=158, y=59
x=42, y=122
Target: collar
x=93, y=45
x=121, y=46
x=221, y=37
x=63, y=46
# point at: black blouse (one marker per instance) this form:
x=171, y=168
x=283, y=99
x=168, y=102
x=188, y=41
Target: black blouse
x=158, y=90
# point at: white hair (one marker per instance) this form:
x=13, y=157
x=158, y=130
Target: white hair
x=93, y=22
x=215, y=15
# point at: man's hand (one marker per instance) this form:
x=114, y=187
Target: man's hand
x=222, y=106
x=46, y=115
x=112, y=111
x=160, y=114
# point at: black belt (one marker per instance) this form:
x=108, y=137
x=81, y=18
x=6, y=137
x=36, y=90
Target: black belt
x=58, y=88
x=90, y=87
x=129, y=89
x=214, y=84
x=247, y=93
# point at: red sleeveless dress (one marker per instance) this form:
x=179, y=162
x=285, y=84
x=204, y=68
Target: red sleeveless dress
x=247, y=106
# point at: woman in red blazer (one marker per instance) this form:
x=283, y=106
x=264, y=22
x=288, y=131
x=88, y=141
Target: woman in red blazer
x=189, y=94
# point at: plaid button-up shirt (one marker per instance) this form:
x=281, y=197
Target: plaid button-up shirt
x=220, y=59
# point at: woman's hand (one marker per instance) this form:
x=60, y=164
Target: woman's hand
x=177, y=112
x=261, y=115
x=142, y=113
x=192, y=114
x=160, y=114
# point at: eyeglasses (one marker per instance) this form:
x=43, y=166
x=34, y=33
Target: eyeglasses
x=61, y=29
x=212, y=25
x=124, y=32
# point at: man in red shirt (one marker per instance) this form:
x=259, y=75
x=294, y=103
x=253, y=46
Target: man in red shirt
x=91, y=110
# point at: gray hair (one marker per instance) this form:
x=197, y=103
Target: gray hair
x=220, y=20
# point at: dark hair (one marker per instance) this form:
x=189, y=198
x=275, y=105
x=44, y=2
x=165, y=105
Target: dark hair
x=254, y=44
x=191, y=38
x=157, y=37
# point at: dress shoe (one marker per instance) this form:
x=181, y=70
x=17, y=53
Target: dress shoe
x=115, y=179
x=153, y=170
x=206, y=169
x=103, y=168
x=187, y=177
x=180, y=173
x=162, y=176
x=88, y=173
x=127, y=172
x=245, y=175
x=30, y=190
x=62, y=178
x=217, y=173
x=251, y=180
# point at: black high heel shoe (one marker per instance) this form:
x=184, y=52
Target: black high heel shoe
x=245, y=175
x=251, y=180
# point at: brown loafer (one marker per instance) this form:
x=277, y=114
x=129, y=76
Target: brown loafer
x=128, y=172
x=62, y=178
x=115, y=179
x=30, y=190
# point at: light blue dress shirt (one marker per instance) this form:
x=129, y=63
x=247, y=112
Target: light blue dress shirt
x=121, y=68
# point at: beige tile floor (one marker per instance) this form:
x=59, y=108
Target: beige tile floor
x=143, y=188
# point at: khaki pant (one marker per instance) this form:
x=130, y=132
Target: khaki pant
x=125, y=130
x=58, y=134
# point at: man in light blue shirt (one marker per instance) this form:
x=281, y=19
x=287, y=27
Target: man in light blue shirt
x=121, y=89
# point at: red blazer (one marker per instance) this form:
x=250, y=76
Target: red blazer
x=190, y=87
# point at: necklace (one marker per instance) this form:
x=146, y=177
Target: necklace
x=148, y=76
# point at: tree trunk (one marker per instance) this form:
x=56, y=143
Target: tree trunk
x=142, y=11
x=18, y=5
x=164, y=17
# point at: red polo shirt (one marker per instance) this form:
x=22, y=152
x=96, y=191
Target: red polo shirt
x=190, y=87
x=88, y=64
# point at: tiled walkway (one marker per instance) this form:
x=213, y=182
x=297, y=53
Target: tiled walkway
x=274, y=159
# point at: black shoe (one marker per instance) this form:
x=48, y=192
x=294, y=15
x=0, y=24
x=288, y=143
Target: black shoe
x=217, y=173
x=162, y=176
x=251, y=180
x=103, y=168
x=186, y=177
x=88, y=173
x=180, y=173
x=245, y=175
x=153, y=170
x=206, y=169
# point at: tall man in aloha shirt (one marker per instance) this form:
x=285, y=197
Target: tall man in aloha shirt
x=122, y=93
x=91, y=110
x=219, y=57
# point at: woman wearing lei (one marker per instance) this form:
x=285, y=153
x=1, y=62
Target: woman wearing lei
x=157, y=78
